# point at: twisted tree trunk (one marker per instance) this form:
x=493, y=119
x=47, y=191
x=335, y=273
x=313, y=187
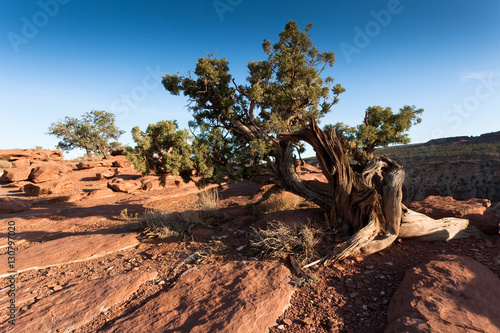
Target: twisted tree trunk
x=367, y=203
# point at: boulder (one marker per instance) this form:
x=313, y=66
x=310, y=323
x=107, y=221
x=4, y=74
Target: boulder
x=51, y=187
x=232, y=297
x=11, y=205
x=31, y=154
x=101, y=193
x=21, y=162
x=106, y=174
x=150, y=183
x=17, y=174
x=122, y=162
x=47, y=172
x=122, y=185
x=475, y=210
x=448, y=294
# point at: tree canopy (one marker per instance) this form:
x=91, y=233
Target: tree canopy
x=93, y=132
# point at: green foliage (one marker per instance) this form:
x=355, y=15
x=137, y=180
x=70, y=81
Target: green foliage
x=163, y=148
x=380, y=128
x=236, y=125
x=93, y=132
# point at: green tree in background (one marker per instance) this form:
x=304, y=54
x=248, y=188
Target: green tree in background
x=93, y=132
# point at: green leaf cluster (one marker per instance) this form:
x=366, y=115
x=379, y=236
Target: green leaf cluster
x=380, y=128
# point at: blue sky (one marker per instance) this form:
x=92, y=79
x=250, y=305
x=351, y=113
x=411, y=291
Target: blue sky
x=66, y=57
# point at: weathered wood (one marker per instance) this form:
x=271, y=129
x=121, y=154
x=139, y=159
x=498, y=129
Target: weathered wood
x=368, y=203
x=421, y=227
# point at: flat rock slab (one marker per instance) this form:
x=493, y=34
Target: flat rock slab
x=73, y=307
x=68, y=249
x=450, y=294
x=233, y=297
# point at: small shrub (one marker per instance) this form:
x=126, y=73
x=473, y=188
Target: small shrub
x=165, y=224
x=279, y=241
x=5, y=164
x=280, y=202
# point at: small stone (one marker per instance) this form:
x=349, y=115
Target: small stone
x=287, y=321
x=365, y=307
x=281, y=327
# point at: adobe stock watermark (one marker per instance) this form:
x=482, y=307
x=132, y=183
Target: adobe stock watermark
x=122, y=106
x=455, y=115
x=372, y=29
x=223, y=6
x=48, y=9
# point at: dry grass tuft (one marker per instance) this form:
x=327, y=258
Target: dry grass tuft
x=163, y=224
x=5, y=164
x=279, y=241
x=208, y=199
x=280, y=202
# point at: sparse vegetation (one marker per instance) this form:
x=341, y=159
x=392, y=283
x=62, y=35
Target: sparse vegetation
x=279, y=241
x=5, y=164
x=419, y=152
x=279, y=202
x=208, y=200
x=124, y=214
x=163, y=224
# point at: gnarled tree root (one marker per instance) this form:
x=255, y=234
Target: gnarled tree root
x=414, y=225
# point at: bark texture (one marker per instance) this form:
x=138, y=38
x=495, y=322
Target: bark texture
x=363, y=200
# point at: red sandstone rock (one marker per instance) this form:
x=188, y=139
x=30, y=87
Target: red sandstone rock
x=69, y=249
x=106, y=174
x=10, y=205
x=74, y=306
x=47, y=172
x=121, y=185
x=101, y=193
x=21, y=162
x=122, y=162
x=475, y=210
x=16, y=174
x=31, y=154
x=50, y=187
x=94, y=164
x=233, y=297
x=449, y=294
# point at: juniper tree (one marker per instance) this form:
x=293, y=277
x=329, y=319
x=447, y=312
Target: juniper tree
x=262, y=122
x=93, y=132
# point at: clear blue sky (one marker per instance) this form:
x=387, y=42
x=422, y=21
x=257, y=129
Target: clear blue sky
x=65, y=57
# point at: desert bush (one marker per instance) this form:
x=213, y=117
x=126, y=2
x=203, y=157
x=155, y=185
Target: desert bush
x=5, y=164
x=280, y=202
x=163, y=224
x=279, y=241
